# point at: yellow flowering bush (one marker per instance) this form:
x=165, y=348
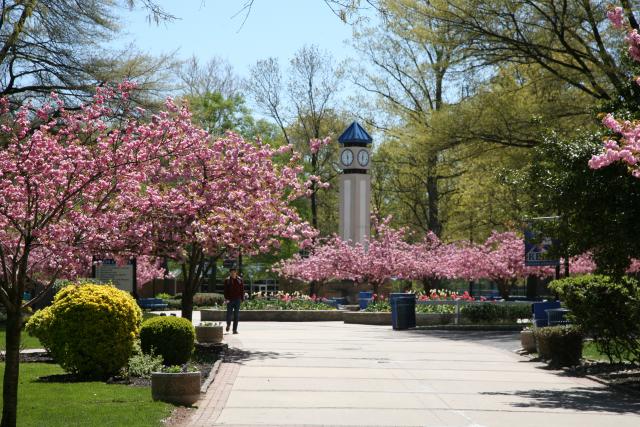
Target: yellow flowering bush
x=89, y=329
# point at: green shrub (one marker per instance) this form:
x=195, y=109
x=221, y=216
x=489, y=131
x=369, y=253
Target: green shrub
x=174, y=304
x=39, y=325
x=89, y=329
x=170, y=337
x=482, y=313
x=163, y=295
x=141, y=365
x=207, y=299
x=561, y=345
x=378, y=306
x=515, y=312
x=436, y=308
x=606, y=309
x=495, y=312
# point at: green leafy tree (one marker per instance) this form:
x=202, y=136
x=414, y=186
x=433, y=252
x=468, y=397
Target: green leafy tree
x=598, y=208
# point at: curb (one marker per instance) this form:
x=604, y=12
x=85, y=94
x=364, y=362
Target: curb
x=489, y=328
x=211, y=377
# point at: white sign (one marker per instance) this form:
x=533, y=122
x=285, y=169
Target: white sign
x=121, y=276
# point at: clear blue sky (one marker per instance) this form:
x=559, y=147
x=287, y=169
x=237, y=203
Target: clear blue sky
x=207, y=28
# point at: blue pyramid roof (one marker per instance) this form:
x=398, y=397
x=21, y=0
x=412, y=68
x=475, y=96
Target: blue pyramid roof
x=355, y=134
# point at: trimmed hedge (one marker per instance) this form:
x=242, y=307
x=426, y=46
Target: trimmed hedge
x=495, y=312
x=560, y=345
x=89, y=329
x=207, y=299
x=170, y=337
x=606, y=309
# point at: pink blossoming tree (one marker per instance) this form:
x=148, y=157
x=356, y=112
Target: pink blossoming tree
x=69, y=183
x=230, y=195
x=625, y=145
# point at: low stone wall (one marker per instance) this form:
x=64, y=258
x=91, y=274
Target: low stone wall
x=380, y=318
x=275, y=315
x=367, y=317
x=359, y=317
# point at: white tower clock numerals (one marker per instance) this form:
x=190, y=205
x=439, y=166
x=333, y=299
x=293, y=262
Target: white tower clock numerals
x=363, y=157
x=347, y=157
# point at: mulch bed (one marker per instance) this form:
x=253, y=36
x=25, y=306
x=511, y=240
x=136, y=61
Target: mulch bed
x=204, y=358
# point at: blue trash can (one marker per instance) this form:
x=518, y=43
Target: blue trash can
x=403, y=310
x=364, y=298
x=540, y=317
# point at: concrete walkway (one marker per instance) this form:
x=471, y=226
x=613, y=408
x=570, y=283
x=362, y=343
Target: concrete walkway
x=284, y=374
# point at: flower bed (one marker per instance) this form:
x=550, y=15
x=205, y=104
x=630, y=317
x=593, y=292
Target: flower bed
x=275, y=315
x=264, y=304
x=282, y=301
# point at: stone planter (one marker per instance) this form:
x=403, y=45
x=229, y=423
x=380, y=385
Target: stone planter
x=182, y=388
x=209, y=334
x=560, y=346
x=528, y=341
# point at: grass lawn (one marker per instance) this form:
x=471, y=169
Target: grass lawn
x=82, y=404
x=590, y=351
x=26, y=341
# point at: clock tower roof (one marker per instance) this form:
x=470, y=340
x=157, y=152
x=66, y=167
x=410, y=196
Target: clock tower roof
x=355, y=135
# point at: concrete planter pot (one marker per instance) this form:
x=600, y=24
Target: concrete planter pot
x=182, y=388
x=209, y=334
x=528, y=341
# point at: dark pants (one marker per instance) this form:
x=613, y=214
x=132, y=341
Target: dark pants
x=233, y=306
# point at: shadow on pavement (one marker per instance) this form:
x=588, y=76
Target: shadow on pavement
x=578, y=398
x=236, y=355
x=506, y=340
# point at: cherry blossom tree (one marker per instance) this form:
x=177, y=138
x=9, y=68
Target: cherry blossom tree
x=625, y=145
x=69, y=183
x=231, y=195
x=385, y=256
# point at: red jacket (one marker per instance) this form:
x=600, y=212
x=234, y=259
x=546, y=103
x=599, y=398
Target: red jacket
x=233, y=289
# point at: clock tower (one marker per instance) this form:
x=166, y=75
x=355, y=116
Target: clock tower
x=355, y=184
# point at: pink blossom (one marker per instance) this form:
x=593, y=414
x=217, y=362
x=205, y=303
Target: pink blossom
x=616, y=16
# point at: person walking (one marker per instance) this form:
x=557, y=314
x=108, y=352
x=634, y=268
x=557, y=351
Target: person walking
x=233, y=295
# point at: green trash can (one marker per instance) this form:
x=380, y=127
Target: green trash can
x=403, y=310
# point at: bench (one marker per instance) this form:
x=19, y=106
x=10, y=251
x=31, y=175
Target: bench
x=152, y=303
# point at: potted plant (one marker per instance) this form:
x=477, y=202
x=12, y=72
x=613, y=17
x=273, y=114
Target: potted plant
x=528, y=340
x=209, y=332
x=179, y=385
x=560, y=345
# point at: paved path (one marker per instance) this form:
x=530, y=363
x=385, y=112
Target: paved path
x=283, y=374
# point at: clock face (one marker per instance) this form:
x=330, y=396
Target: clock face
x=363, y=157
x=347, y=157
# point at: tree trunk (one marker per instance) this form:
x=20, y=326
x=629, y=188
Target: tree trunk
x=314, y=192
x=429, y=283
x=187, y=302
x=376, y=288
x=434, y=196
x=11, y=369
x=504, y=288
x=313, y=288
x=213, y=270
